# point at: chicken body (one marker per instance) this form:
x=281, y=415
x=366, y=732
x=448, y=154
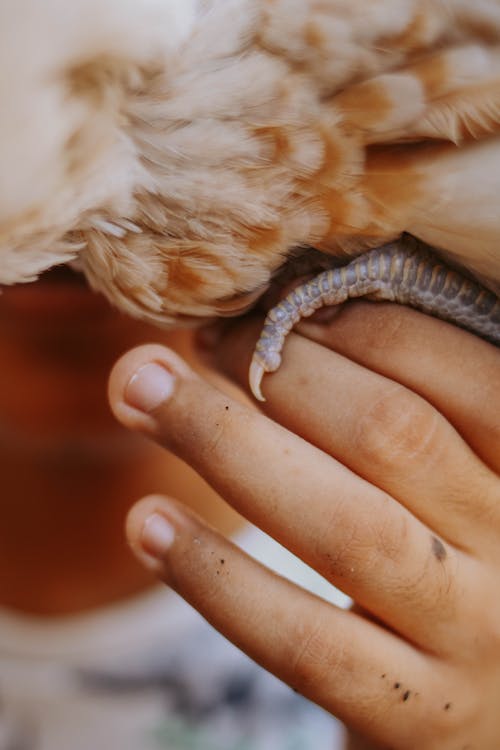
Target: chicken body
x=179, y=150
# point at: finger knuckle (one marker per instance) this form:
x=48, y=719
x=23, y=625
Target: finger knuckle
x=343, y=556
x=398, y=427
x=390, y=537
x=381, y=541
x=315, y=658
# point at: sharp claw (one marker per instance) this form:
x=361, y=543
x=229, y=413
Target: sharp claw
x=255, y=375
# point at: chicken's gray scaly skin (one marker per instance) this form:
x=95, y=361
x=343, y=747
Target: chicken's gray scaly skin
x=406, y=272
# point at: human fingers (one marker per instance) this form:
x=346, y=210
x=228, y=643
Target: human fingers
x=350, y=666
x=349, y=530
x=380, y=429
x=453, y=370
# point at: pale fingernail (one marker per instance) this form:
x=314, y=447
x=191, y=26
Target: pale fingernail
x=149, y=387
x=157, y=535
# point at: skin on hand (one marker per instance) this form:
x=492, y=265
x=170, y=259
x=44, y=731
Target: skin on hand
x=376, y=461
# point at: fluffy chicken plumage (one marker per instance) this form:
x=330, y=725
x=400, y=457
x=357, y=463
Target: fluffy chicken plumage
x=178, y=150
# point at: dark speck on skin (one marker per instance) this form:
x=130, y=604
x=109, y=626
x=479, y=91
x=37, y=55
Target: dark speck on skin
x=397, y=685
x=406, y=695
x=447, y=706
x=226, y=408
x=222, y=561
x=438, y=549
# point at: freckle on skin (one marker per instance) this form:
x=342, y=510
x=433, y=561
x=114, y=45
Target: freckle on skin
x=447, y=706
x=397, y=685
x=438, y=549
x=406, y=695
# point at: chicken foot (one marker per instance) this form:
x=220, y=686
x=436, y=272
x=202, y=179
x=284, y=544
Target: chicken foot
x=404, y=271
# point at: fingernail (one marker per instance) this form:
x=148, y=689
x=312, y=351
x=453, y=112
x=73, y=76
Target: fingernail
x=157, y=536
x=149, y=387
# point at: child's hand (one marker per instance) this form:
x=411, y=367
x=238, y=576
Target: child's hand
x=377, y=467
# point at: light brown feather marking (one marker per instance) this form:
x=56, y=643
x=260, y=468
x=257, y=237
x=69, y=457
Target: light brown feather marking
x=276, y=138
x=410, y=39
x=342, y=158
x=434, y=75
x=347, y=214
x=470, y=114
x=365, y=105
x=182, y=275
x=264, y=240
x=393, y=185
x=456, y=109
x=333, y=156
x=482, y=28
x=313, y=35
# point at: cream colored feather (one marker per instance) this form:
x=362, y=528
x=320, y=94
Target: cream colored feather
x=178, y=150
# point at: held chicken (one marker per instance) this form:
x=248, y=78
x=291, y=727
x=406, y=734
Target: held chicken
x=179, y=152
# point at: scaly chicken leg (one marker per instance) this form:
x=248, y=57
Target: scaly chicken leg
x=405, y=272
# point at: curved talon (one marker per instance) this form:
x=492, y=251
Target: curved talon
x=255, y=375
